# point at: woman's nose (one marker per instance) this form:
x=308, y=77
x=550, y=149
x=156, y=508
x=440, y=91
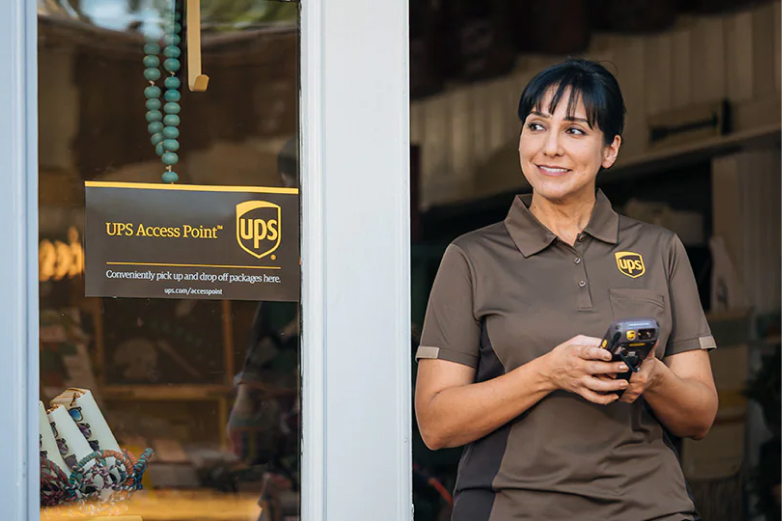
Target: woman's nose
x=552, y=146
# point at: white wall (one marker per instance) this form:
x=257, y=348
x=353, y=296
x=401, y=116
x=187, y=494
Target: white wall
x=746, y=193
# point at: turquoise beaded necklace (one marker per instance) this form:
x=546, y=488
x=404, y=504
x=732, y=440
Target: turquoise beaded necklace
x=164, y=129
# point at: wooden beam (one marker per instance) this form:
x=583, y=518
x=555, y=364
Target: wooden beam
x=195, y=80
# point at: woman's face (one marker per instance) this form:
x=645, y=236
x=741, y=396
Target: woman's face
x=561, y=156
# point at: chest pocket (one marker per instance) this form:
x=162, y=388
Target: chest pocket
x=642, y=303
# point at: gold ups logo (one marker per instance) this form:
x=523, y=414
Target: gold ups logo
x=630, y=264
x=258, y=227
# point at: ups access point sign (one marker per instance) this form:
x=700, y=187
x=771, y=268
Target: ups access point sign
x=191, y=241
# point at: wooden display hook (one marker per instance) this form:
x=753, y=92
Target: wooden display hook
x=196, y=81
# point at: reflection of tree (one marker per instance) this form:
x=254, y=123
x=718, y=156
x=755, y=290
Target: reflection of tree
x=240, y=12
x=218, y=15
x=232, y=13
x=55, y=8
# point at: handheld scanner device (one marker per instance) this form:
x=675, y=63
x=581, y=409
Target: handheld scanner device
x=630, y=341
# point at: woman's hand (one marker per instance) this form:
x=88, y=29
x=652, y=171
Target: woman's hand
x=582, y=367
x=647, y=377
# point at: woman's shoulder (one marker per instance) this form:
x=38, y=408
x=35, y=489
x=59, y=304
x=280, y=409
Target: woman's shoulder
x=482, y=240
x=647, y=231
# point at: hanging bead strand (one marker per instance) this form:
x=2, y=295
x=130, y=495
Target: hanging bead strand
x=152, y=93
x=163, y=128
x=170, y=144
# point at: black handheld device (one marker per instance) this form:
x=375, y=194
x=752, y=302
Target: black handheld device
x=630, y=341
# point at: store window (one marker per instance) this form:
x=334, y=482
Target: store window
x=211, y=385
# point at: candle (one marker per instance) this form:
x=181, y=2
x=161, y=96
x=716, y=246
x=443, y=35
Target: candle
x=86, y=415
x=84, y=410
x=47, y=443
x=70, y=441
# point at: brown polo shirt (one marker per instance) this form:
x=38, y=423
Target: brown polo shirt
x=509, y=293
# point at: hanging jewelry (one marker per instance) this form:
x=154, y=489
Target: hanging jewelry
x=163, y=128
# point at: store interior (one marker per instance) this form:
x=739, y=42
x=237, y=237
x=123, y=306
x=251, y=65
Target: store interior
x=700, y=156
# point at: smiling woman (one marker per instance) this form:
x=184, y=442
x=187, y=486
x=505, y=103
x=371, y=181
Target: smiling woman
x=511, y=363
x=573, y=119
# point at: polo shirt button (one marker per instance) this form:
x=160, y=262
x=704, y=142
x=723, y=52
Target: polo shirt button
x=582, y=284
x=581, y=236
x=577, y=260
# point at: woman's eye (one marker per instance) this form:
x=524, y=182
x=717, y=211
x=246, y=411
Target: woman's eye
x=535, y=126
x=576, y=131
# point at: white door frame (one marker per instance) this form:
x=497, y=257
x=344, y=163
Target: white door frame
x=356, y=261
x=356, y=461
x=19, y=474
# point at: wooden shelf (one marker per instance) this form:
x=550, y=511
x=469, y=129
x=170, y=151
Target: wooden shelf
x=693, y=152
x=503, y=178
x=166, y=392
x=169, y=505
x=272, y=390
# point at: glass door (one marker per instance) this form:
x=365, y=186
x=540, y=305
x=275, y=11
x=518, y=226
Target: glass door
x=185, y=405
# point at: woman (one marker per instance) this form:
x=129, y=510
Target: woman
x=510, y=362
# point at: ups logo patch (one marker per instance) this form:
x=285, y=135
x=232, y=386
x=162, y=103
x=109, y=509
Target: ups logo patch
x=630, y=263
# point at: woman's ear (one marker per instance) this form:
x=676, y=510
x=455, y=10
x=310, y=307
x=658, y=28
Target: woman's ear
x=611, y=152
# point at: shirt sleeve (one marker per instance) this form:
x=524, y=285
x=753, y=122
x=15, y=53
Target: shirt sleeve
x=689, y=329
x=451, y=331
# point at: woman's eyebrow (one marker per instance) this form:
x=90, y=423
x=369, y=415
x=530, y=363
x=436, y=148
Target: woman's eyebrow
x=544, y=115
x=541, y=114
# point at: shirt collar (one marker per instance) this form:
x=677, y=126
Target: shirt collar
x=532, y=237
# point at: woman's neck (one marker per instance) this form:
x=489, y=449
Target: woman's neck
x=566, y=218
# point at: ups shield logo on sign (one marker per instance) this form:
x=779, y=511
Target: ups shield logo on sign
x=630, y=264
x=258, y=227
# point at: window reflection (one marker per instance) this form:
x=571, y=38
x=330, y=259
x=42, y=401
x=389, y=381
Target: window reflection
x=123, y=15
x=211, y=386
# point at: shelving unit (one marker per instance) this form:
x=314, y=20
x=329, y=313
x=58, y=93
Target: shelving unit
x=220, y=394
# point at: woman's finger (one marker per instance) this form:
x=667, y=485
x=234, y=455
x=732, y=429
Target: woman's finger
x=605, y=385
x=629, y=396
x=601, y=399
x=595, y=353
x=607, y=369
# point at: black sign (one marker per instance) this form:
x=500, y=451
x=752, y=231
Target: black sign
x=190, y=241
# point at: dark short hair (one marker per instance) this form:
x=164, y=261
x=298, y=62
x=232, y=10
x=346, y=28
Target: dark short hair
x=598, y=89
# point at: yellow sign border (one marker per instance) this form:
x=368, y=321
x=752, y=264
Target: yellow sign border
x=193, y=188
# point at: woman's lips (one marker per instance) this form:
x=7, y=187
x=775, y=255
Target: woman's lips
x=553, y=171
